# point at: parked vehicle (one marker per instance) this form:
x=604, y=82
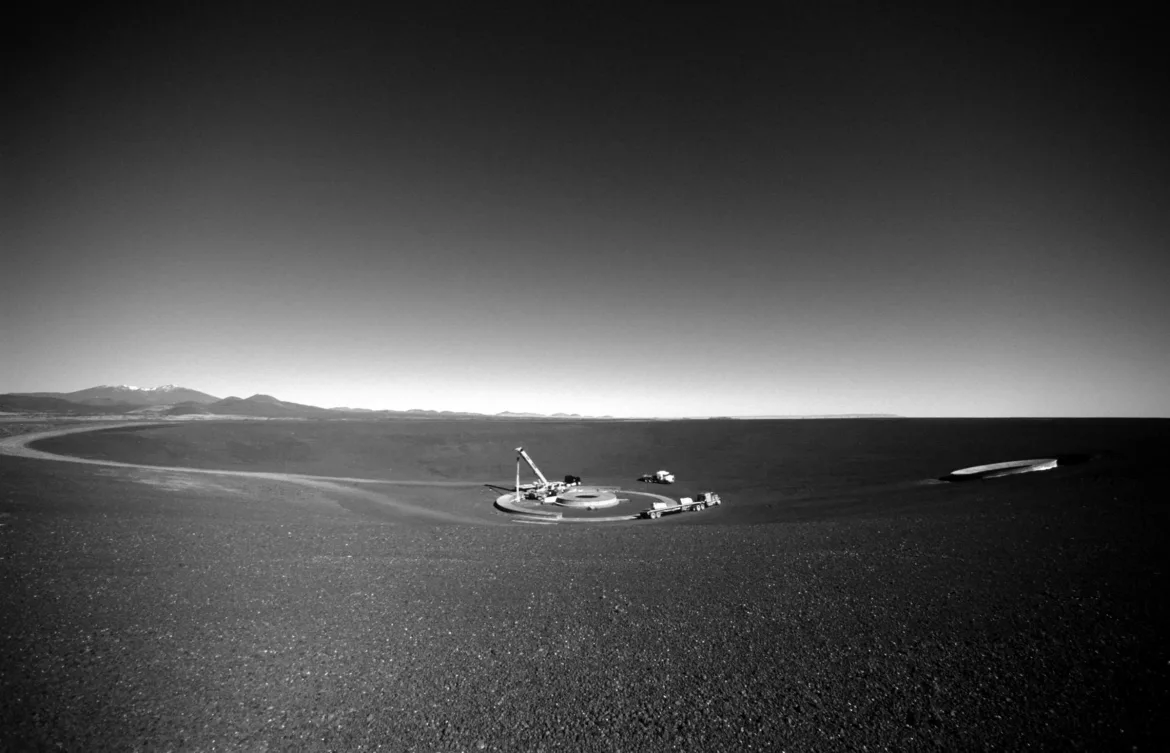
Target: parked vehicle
x=658, y=477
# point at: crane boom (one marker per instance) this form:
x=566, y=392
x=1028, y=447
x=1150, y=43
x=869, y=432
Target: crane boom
x=532, y=465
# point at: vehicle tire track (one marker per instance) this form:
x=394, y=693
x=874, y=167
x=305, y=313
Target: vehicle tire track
x=17, y=446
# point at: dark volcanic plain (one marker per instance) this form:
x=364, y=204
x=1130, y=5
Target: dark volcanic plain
x=840, y=599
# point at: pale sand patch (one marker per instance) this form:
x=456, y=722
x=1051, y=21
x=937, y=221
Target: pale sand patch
x=180, y=483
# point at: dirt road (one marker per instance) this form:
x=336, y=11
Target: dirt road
x=17, y=446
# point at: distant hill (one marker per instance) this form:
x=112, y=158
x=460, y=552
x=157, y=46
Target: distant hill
x=186, y=409
x=266, y=406
x=514, y=414
x=122, y=394
x=421, y=413
x=40, y=404
x=826, y=415
x=173, y=400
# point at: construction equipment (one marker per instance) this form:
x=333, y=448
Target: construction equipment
x=543, y=490
x=686, y=504
x=658, y=477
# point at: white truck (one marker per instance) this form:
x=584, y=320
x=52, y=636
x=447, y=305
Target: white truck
x=658, y=477
x=686, y=504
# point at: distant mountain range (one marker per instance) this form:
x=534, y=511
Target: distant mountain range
x=172, y=400
x=510, y=414
x=124, y=394
x=257, y=406
x=810, y=415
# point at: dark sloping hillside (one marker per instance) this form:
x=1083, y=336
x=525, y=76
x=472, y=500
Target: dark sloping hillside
x=265, y=406
x=186, y=409
x=108, y=402
x=34, y=403
x=121, y=394
x=166, y=395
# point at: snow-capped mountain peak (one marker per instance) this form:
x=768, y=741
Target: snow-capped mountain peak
x=134, y=395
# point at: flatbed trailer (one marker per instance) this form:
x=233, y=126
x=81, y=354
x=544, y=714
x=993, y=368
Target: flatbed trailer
x=686, y=504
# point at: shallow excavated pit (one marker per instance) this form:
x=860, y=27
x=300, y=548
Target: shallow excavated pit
x=1014, y=467
x=591, y=499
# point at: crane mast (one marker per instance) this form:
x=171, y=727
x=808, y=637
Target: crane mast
x=532, y=465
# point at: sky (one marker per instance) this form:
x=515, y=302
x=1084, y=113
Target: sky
x=833, y=208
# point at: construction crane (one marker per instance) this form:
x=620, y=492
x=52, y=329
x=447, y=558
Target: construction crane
x=545, y=488
x=532, y=465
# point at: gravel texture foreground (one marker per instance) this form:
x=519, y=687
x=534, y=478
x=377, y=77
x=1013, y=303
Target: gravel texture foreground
x=157, y=610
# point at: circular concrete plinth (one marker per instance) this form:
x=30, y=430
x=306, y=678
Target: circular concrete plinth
x=995, y=470
x=591, y=499
x=513, y=502
x=628, y=503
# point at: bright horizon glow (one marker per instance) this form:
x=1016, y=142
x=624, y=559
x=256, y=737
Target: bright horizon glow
x=369, y=401
x=920, y=215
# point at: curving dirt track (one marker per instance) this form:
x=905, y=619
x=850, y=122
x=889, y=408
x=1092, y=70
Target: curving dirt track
x=17, y=446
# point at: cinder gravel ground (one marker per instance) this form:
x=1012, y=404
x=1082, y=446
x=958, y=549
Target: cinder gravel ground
x=145, y=612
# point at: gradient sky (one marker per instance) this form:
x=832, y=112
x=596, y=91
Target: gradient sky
x=845, y=210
